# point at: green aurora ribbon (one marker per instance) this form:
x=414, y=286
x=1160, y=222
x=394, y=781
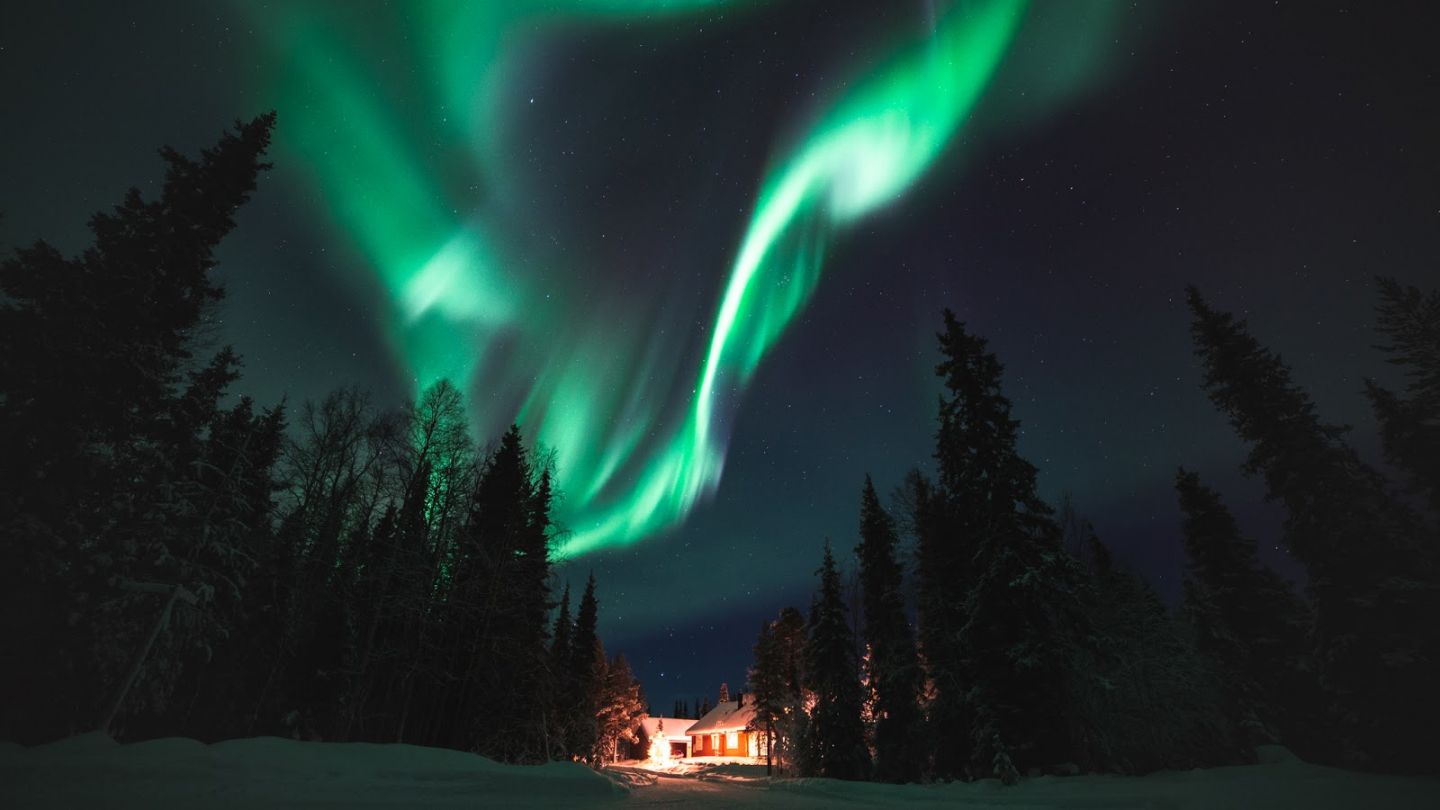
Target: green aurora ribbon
x=633, y=456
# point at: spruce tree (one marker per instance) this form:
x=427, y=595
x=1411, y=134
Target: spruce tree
x=1409, y=320
x=1023, y=630
x=1245, y=617
x=561, y=680
x=777, y=687
x=586, y=662
x=1148, y=699
x=104, y=416
x=1371, y=566
x=837, y=744
x=619, y=708
x=792, y=726
x=560, y=636
x=894, y=670
x=943, y=576
x=508, y=538
x=766, y=690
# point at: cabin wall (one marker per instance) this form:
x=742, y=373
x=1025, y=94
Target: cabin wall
x=706, y=745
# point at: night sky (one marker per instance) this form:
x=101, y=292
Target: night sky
x=554, y=204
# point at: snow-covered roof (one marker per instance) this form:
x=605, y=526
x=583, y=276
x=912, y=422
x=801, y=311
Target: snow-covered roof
x=727, y=716
x=674, y=726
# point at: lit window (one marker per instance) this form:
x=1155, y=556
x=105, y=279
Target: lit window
x=732, y=741
x=714, y=742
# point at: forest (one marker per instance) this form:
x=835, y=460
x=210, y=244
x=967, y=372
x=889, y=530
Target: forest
x=179, y=560
x=1027, y=650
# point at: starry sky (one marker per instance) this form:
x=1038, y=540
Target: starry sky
x=700, y=247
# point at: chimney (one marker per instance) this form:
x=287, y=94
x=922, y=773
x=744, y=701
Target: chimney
x=739, y=700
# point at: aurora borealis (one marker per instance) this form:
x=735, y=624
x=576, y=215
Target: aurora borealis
x=698, y=248
x=631, y=464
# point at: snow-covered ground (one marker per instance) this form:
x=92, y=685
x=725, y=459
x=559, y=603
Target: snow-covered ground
x=174, y=774
x=263, y=772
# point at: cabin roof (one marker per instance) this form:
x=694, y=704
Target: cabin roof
x=727, y=716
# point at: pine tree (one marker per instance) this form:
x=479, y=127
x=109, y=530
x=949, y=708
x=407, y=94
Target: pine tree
x=766, y=690
x=894, y=671
x=1149, y=700
x=561, y=678
x=1245, y=617
x=1410, y=424
x=1371, y=567
x=792, y=727
x=586, y=663
x=619, y=708
x=507, y=546
x=1023, y=630
x=943, y=576
x=103, y=415
x=777, y=685
x=560, y=636
x=837, y=735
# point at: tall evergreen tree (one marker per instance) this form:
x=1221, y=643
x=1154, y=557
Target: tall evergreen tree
x=833, y=674
x=766, y=690
x=1023, y=628
x=777, y=687
x=1410, y=421
x=1371, y=567
x=104, y=418
x=152, y=585
x=1148, y=700
x=508, y=530
x=943, y=575
x=586, y=663
x=619, y=708
x=561, y=679
x=894, y=671
x=560, y=636
x=1244, y=615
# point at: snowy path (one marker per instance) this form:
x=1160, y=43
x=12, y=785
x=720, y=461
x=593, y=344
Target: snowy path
x=689, y=791
x=175, y=774
x=668, y=790
x=1282, y=783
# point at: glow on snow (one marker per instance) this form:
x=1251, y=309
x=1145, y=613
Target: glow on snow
x=632, y=461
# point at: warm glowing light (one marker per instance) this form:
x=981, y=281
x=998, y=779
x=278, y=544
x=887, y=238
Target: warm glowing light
x=659, y=745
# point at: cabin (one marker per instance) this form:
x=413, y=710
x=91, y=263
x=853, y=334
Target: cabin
x=724, y=731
